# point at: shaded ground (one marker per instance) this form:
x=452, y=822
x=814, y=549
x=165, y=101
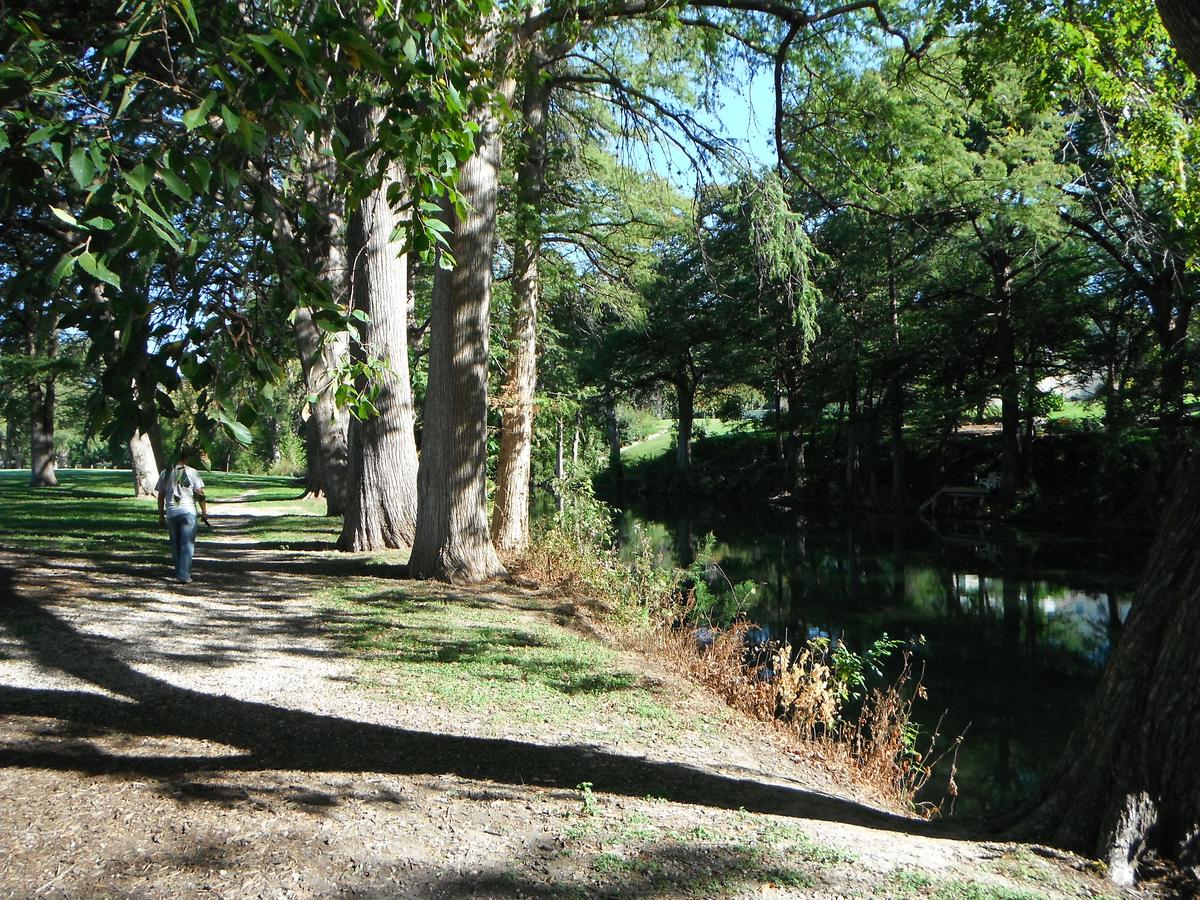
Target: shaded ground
x=303, y=723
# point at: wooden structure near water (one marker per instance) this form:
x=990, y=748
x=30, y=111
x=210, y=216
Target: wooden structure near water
x=955, y=496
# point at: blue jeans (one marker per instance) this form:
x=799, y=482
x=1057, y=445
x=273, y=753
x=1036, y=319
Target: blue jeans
x=182, y=528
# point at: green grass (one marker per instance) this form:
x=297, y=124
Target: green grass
x=487, y=659
x=912, y=884
x=1075, y=411
x=664, y=439
x=93, y=512
x=645, y=851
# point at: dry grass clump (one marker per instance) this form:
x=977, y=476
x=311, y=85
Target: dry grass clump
x=804, y=696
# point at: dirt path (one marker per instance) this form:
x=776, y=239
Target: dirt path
x=218, y=739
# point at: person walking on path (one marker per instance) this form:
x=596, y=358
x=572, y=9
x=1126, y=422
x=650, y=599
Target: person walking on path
x=179, y=488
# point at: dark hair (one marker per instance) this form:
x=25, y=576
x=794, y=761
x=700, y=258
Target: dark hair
x=187, y=453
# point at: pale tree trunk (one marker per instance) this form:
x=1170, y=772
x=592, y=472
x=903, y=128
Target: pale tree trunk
x=381, y=507
x=146, y=458
x=453, y=540
x=321, y=249
x=41, y=434
x=559, y=468
x=1129, y=782
x=143, y=463
x=320, y=358
x=510, y=515
x=41, y=405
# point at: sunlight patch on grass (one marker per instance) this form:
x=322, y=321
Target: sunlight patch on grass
x=487, y=661
x=93, y=512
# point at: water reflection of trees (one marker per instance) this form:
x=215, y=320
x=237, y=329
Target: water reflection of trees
x=1012, y=644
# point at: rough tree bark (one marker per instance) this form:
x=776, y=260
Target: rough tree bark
x=319, y=362
x=381, y=502
x=318, y=245
x=146, y=457
x=795, y=463
x=41, y=404
x=453, y=540
x=144, y=464
x=313, y=486
x=1129, y=781
x=560, y=470
x=1182, y=18
x=510, y=515
x=321, y=249
x=41, y=434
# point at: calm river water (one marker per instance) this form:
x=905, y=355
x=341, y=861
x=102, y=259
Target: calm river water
x=1015, y=627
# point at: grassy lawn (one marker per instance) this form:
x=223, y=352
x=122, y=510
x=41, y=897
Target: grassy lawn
x=664, y=439
x=1075, y=411
x=93, y=511
x=487, y=658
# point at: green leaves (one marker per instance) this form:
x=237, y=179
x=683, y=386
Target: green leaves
x=233, y=427
x=97, y=269
x=63, y=216
x=139, y=177
x=82, y=168
x=194, y=118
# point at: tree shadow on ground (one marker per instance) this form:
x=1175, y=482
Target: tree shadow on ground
x=273, y=738
x=655, y=870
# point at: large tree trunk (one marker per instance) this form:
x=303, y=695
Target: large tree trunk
x=321, y=248
x=1129, y=781
x=510, y=516
x=453, y=540
x=41, y=434
x=1182, y=18
x=313, y=483
x=146, y=457
x=41, y=404
x=143, y=463
x=381, y=507
x=319, y=362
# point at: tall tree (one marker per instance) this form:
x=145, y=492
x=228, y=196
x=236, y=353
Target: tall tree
x=381, y=510
x=453, y=539
x=510, y=515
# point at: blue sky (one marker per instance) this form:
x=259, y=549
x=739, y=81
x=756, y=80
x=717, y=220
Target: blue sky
x=746, y=117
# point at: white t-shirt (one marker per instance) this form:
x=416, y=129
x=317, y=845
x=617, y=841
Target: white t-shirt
x=179, y=484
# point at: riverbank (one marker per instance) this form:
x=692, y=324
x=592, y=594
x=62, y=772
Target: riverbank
x=299, y=722
x=1082, y=478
